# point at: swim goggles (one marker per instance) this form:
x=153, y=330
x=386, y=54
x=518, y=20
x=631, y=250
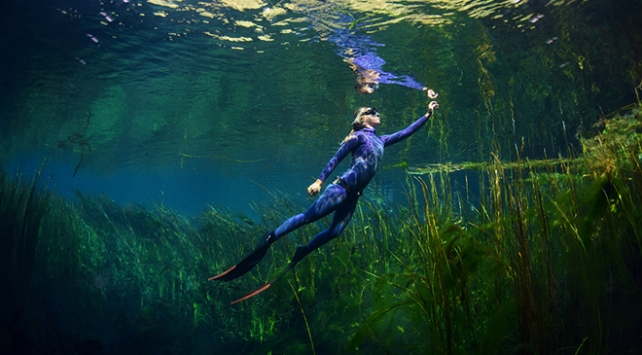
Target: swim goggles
x=371, y=112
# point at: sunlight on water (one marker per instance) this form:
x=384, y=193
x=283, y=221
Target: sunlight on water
x=241, y=86
x=235, y=23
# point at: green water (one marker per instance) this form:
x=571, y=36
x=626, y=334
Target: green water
x=157, y=91
x=170, y=135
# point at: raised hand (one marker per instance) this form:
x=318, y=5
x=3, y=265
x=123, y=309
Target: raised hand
x=432, y=106
x=431, y=93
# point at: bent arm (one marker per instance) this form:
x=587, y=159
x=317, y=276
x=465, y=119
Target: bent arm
x=343, y=151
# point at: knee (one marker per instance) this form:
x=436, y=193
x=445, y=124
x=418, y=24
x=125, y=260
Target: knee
x=306, y=218
x=337, y=229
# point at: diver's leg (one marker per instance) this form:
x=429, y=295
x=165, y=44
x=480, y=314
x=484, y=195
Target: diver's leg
x=335, y=199
x=326, y=203
x=332, y=197
x=340, y=220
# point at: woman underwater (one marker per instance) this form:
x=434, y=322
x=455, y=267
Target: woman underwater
x=339, y=197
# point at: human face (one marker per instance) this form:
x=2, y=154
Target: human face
x=371, y=118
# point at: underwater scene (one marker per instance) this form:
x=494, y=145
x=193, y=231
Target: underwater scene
x=198, y=177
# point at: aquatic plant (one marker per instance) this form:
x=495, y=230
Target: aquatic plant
x=22, y=207
x=537, y=253
x=529, y=256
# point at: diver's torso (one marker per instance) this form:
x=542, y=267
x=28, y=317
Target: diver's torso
x=365, y=159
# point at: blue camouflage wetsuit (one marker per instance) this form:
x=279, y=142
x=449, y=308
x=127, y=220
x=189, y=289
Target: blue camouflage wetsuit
x=361, y=50
x=342, y=195
x=373, y=62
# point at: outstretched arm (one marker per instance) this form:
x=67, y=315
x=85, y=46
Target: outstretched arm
x=408, y=131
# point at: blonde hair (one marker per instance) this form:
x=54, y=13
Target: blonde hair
x=357, y=124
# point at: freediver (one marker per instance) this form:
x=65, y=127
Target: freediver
x=340, y=197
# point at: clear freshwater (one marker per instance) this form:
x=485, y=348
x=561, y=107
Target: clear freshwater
x=182, y=111
x=192, y=103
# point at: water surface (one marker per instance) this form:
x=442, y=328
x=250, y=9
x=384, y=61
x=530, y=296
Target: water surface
x=194, y=103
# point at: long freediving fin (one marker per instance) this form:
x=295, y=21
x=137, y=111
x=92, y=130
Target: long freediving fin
x=300, y=253
x=245, y=265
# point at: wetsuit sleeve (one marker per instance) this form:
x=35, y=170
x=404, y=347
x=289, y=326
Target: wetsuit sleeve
x=404, y=133
x=343, y=151
x=409, y=82
x=388, y=78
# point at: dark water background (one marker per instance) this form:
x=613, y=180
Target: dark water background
x=239, y=104
x=192, y=103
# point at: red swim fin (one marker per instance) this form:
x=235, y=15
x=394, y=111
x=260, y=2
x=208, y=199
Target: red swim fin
x=222, y=274
x=301, y=252
x=248, y=263
x=253, y=293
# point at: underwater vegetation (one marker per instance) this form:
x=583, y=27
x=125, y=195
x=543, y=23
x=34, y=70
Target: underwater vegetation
x=546, y=258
